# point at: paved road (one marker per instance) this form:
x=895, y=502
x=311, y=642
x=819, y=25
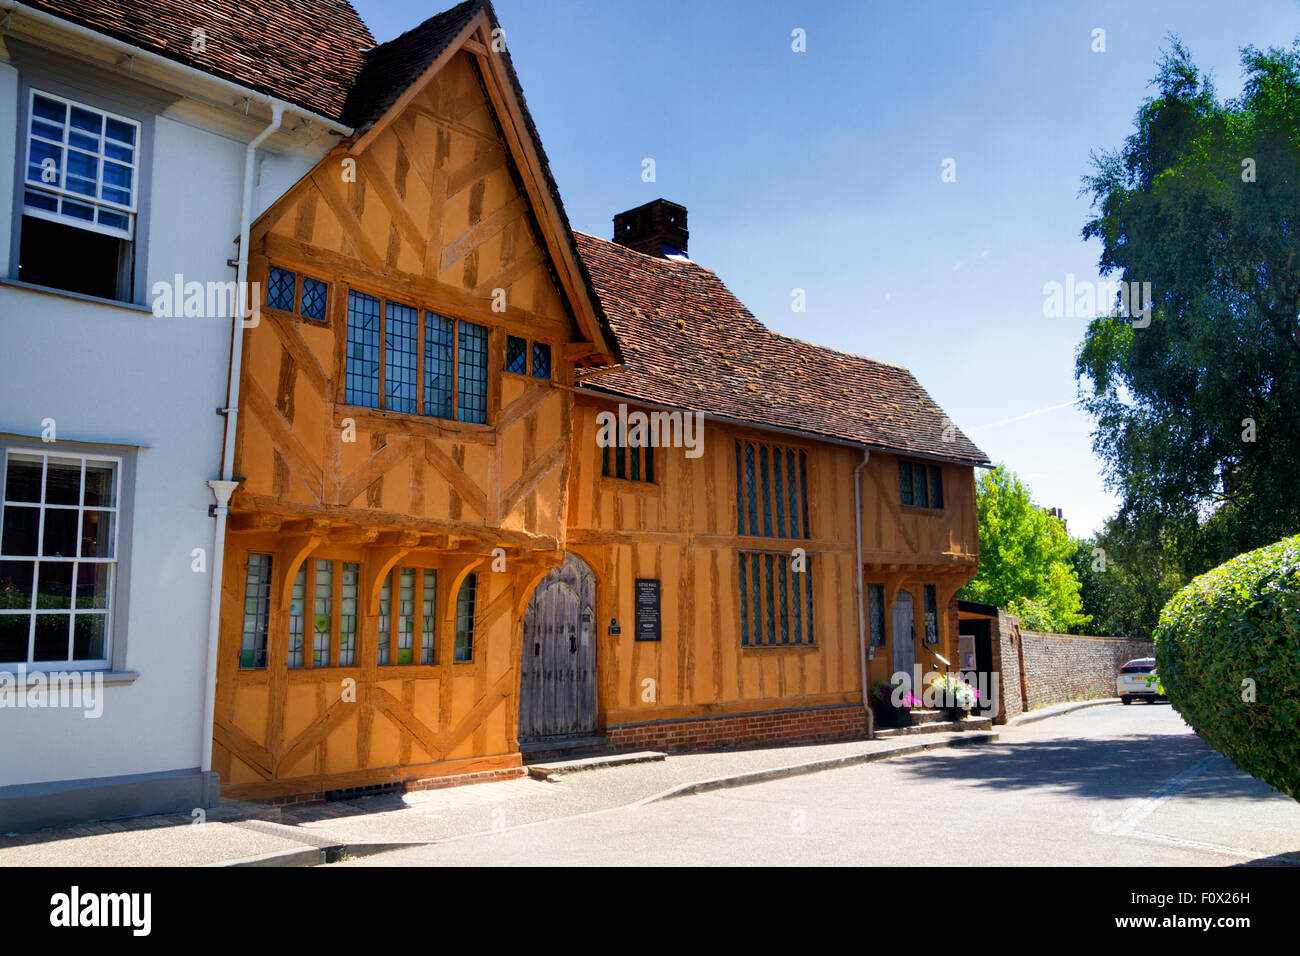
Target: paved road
x=1108, y=785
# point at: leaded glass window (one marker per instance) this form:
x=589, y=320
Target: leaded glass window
x=362, y=376
x=516, y=355
x=280, y=288
x=257, y=611
x=472, y=378
x=465, y=609
x=400, y=369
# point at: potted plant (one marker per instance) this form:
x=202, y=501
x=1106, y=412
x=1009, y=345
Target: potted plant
x=958, y=696
x=888, y=712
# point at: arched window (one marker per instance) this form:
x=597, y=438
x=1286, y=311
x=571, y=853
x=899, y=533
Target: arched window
x=465, y=601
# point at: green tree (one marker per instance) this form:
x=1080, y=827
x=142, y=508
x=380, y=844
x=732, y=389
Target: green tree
x=1025, y=557
x=1126, y=574
x=1197, y=416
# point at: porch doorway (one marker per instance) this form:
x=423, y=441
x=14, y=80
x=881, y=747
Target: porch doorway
x=903, y=628
x=557, y=693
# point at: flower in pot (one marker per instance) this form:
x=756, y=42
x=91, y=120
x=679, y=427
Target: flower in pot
x=957, y=695
x=892, y=705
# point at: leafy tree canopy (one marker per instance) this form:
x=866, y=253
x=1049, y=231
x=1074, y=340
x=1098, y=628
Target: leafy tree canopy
x=1025, y=557
x=1198, y=414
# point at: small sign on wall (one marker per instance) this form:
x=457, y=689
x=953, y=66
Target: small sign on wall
x=647, y=610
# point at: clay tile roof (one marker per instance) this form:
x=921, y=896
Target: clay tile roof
x=689, y=343
x=390, y=68
x=307, y=52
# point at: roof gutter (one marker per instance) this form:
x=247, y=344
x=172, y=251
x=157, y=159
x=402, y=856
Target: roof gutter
x=166, y=63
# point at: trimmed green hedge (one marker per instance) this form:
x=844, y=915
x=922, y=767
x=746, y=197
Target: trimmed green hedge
x=1233, y=625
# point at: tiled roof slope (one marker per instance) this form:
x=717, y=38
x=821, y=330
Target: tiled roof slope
x=689, y=343
x=393, y=66
x=307, y=52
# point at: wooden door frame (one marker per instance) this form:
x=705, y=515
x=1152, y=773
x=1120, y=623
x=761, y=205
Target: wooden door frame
x=598, y=720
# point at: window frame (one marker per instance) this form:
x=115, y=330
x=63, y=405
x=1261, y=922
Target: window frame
x=423, y=314
x=784, y=599
x=531, y=347
x=930, y=470
x=114, y=623
x=790, y=518
x=63, y=192
x=299, y=289
x=96, y=88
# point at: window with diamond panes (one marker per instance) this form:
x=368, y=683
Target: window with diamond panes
x=516, y=355
x=876, y=613
x=775, y=599
x=541, y=360
x=315, y=294
x=282, y=292
x=281, y=288
x=771, y=491
x=920, y=484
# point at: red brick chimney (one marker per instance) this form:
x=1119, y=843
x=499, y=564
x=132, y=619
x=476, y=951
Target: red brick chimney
x=657, y=229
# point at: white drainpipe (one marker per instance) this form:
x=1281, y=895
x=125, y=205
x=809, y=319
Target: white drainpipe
x=862, y=618
x=225, y=486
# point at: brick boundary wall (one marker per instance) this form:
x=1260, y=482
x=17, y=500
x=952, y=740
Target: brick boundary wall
x=1057, y=667
x=838, y=722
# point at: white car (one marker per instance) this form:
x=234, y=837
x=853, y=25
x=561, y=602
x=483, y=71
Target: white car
x=1137, y=681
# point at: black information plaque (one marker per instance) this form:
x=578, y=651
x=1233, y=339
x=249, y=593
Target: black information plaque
x=647, y=609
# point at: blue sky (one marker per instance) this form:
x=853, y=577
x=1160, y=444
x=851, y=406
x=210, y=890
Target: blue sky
x=822, y=171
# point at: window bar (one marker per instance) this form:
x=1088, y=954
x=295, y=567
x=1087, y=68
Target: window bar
x=323, y=616
x=385, y=618
x=792, y=493
x=429, y=616
x=803, y=487
x=744, y=598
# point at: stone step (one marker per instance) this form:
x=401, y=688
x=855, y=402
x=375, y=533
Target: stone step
x=937, y=727
x=562, y=748
x=559, y=768
x=927, y=716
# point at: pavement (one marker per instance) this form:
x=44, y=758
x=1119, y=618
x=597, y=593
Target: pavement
x=254, y=834
x=1097, y=785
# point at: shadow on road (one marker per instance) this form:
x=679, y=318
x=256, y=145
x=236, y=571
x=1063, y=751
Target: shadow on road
x=1116, y=767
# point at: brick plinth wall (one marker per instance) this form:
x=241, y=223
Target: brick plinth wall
x=781, y=726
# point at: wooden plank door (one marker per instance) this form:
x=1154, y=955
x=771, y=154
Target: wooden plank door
x=558, y=672
x=904, y=637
